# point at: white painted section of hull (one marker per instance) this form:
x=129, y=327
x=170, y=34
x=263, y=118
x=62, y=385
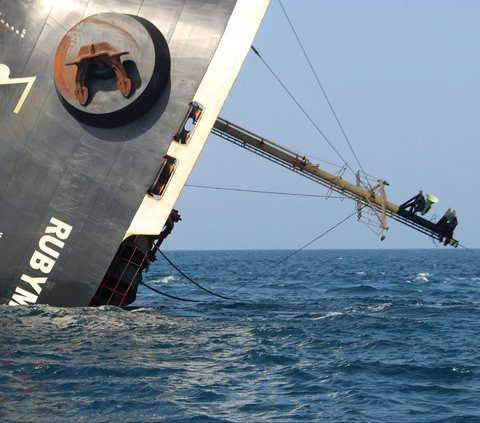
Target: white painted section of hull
x=212, y=93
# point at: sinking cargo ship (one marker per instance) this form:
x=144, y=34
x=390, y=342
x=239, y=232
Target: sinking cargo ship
x=105, y=107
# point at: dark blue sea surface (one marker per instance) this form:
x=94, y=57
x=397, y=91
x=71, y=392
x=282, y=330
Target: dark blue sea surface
x=327, y=336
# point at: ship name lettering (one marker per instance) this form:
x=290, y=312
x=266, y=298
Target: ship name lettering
x=42, y=260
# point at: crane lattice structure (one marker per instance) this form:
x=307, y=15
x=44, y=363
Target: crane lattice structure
x=373, y=199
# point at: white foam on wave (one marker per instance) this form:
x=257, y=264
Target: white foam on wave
x=64, y=321
x=329, y=314
x=379, y=307
x=165, y=280
x=423, y=276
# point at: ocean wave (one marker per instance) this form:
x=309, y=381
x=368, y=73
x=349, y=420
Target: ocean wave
x=422, y=276
x=165, y=280
x=329, y=315
x=355, y=289
x=379, y=307
x=336, y=347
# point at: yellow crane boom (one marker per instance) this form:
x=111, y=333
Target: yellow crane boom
x=374, y=198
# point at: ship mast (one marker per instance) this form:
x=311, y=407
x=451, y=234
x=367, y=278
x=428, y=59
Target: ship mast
x=371, y=198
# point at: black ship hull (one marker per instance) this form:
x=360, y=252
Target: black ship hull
x=77, y=180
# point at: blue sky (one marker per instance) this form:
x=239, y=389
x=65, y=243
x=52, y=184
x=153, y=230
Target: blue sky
x=404, y=79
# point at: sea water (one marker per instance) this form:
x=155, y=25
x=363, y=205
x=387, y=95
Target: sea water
x=326, y=336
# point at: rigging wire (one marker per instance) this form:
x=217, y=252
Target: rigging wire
x=225, y=297
x=301, y=107
x=294, y=253
x=228, y=296
x=330, y=105
x=474, y=252
x=263, y=192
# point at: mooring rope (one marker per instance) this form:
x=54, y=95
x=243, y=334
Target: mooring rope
x=173, y=297
x=191, y=280
x=228, y=296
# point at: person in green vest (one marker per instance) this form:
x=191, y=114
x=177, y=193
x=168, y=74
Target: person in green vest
x=430, y=199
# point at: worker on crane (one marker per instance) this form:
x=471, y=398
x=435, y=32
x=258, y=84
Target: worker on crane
x=447, y=225
x=415, y=204
x=430, y=199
